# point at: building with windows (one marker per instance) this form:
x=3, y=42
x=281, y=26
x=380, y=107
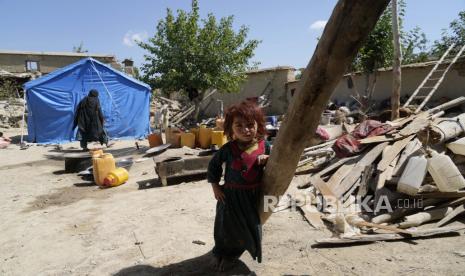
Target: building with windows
x=17, y=62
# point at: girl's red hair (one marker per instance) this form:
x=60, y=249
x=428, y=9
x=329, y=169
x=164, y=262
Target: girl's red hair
x=249, y=111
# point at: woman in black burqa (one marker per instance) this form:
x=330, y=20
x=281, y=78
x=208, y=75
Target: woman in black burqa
x=89, y=120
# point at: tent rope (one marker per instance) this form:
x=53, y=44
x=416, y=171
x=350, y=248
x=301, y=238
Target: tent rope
x=106, y=89
x=109, y=95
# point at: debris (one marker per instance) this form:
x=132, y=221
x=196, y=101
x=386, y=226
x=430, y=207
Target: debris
x=458, y=146
x=443, y=130
x=413, y=175
x=177, y=166
x=397, y=169
x=138, y=243
x=349, y=144
x=460, y=253
x=457, y=211
x=389, y=237
x=445, y=174
x=11, y=113
x=198, y=242
x=422, y=217
x=158, y=149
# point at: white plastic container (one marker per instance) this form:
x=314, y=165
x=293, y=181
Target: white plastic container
x=413, y=175
x=458, y=146
x=444, y=172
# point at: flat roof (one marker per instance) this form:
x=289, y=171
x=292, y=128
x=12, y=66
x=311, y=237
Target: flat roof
x=71, y=54
x=277, y=68
x=461, y=59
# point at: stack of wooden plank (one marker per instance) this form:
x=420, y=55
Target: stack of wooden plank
x=361, y=195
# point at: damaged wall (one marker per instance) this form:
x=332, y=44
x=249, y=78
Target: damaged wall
x=452, y=86
x=271, y=82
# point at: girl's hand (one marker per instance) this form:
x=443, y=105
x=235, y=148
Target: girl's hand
x=261, y=159
x=218, y=192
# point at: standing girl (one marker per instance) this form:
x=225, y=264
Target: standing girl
x=237, y=223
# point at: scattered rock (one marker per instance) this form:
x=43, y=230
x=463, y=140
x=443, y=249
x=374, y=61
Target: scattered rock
x=198, y=242
x=460, y=253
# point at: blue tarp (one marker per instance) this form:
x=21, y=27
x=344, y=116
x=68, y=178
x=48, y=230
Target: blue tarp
x=52, y=101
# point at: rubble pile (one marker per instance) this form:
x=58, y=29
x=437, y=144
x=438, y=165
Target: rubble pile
x=389, y=181
x=11, y=113
x=167, y=112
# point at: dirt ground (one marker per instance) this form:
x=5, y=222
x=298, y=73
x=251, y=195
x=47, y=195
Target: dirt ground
x=54, y=223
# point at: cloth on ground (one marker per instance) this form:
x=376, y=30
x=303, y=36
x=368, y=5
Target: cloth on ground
x=348, y=144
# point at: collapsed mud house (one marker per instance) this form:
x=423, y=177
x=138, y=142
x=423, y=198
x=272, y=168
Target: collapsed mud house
x=279, y=84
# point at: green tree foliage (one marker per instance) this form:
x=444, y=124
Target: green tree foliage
x=414, y=46
x=187, y=52
x=455, y=34
x=378, y=50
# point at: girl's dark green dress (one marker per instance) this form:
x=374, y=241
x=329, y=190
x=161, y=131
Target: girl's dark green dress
x=237, y=223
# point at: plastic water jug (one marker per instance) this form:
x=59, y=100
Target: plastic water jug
x=195, y=130
x=116, y=177
x=458, y=146
x=188, y=140
x=102, y=166
x=218, y=138
x=445, y=174
x=205, y=137
x=173, y=137
x=413, y=175
x=155, y=140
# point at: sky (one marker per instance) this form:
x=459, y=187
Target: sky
x=288, y=30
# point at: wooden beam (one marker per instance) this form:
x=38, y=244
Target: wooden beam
x=389, y=237
x=348, y=26
x=356, y=172
x=457, y=211
x=396, y=148
x=312, y=216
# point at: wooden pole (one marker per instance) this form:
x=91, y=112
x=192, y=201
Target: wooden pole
x=349, y=25
x=396, y=64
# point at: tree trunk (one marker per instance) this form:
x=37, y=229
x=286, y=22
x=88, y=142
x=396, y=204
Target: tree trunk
x=197, y=101
x=347, y=28
x=396, y=70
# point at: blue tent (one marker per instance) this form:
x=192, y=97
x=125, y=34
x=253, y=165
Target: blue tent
x=52, y=101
